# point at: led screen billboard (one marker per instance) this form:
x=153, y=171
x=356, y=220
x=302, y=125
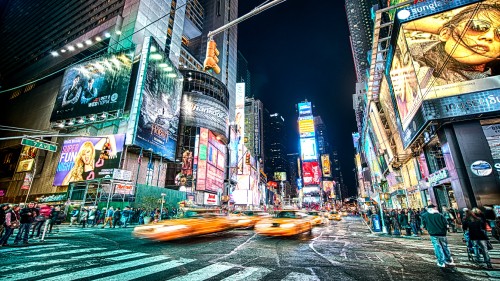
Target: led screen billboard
x=305, y=109
x=311, y=173
x=95, y=86
x=211, y=162
x=308, y=149
x=88, y=158
x=280, y=176
x=445, y=54
x=240, y=122
x=200, y=110
x=306, y=127
x=326, y=165
x=159, y=109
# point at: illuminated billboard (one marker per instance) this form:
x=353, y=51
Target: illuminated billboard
x=92, y=87
x=308, y=149
x=88, y=158
x=240, y=122
x=201, y=110
x=159, y=106
x=311, y=173
x=211, y=162
x=305, y=109
x=280, y=176
x=326, y=165
x=306, y=127
x=444, y=54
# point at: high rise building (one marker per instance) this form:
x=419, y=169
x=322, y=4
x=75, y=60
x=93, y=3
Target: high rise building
x=244, y=75
x=292, y=173
x=275, y=148
x=254, y=127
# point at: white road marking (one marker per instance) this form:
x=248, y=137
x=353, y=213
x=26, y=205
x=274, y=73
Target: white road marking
x=126, y=257
x=249, y=274
x=295, y=276
x=86, y=273
x=50, y=262
x=204, y=273
x=5, y=250
x=145, y=271
x=67, y=252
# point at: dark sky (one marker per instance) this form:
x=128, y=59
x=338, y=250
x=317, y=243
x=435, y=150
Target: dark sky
x=300, y=50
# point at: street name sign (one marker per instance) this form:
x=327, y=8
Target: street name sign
x=39, y=144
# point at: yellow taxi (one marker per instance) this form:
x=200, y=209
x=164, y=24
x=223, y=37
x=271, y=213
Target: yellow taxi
x=334, y=215
x=246, y=219
x=192, y=222
x=285, y=223
x=315, y=217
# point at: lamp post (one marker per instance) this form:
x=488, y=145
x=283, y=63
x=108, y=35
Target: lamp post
x=162, y=201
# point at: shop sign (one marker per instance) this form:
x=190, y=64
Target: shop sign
x=210, y=199
x=438, y=176
x=124, y=189
x=124, y=175
x=481, y=168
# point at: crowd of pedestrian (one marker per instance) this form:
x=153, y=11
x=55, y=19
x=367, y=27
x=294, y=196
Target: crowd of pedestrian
x=28, y=221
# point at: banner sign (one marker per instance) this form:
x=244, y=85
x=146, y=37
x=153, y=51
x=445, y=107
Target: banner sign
x=311, y=173
x=159, y=109
x=210, y=199
x=28, y=177
x=92, y=87
x=200, y=110
x=325, y=165
x=88, y=158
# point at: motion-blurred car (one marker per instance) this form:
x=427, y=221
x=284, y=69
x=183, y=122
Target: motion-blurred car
x=285, y=223
x=246, y=219
x=193, y=222
x=315, y=217
x=334, y=215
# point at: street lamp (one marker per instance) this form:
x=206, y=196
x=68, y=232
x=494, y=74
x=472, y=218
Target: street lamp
x=162, y=201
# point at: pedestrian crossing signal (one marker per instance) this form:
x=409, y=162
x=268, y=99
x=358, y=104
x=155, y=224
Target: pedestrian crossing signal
x=211, y=60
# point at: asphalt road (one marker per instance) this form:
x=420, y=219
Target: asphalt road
x=344, y=250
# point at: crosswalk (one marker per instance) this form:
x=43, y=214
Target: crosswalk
x=61, y=261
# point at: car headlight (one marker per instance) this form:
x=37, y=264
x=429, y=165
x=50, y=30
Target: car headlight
x=288, y=225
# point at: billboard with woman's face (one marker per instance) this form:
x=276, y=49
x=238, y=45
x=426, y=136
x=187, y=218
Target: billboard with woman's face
x=88, y=158
x=92, y=87
x=445, y=54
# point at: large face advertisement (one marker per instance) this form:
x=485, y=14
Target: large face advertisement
x=95, y=86
x=200, y=110
x=158, y=118
x=311, y=173
x=325, y=164
x=88, y=158
x=308, y=149
x=452, y=53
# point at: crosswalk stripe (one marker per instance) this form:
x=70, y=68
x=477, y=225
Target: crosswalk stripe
x=126, y=257
x=86, y=273
x=249, y=274
x=51, y=270
x=50, y=262
x=68, y=252
x=5, y=250
x=145, y=271
x=29, y=250
x=204, y=273
x=295, y=276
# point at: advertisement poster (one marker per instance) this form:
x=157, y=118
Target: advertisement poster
x=492, y=133
x=200, y=110
x=28, y=177
x=449, y=53
x=26, y=159
x=202, y=160
x=280, y=176
x=92, y=87
x=160, y=105
x=311, y=173
x=306, y=127
x=308, y=149
x=88, y=158
x=210, y=199
x=240, y=122
x=325, y=164
x=328, y=185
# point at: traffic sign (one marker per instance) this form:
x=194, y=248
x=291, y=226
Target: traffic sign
x=39, y=144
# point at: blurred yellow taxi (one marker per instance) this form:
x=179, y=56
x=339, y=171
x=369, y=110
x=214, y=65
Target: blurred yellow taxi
x=192, y=222
x=334, y=215
x=246, y=219
x=285, y=223
x=315, y=217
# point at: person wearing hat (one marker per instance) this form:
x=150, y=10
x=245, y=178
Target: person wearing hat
x=437, y=227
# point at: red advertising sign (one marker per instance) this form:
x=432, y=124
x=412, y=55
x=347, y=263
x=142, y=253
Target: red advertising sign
x=210, y=199
x=311, y=173
x=27, y=181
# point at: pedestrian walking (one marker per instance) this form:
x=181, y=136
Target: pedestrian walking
x=74, y=216
x=450, y=218
x=412, y=215
x=91, y=219
x=102, y=216
x=395, y=222
x=12, y=221
x=437, y=227
x=117, y=216
x=387, y=222
x=3, y=209
x=54, y=215
x=477, y=234
x=27, y=217
x=142, y=214
x=84, y=217
x=126, y=214
x=403, y=222
x=109, y=217
x=43, y=214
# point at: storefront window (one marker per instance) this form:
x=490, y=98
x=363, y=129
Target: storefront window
x=434, y=157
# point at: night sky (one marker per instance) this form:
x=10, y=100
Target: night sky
x=300, y=50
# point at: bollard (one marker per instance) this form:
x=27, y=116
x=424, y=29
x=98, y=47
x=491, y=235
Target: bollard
x=45, y=230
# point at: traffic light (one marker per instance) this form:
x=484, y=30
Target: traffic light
x=211, y=59
x=247, y=158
